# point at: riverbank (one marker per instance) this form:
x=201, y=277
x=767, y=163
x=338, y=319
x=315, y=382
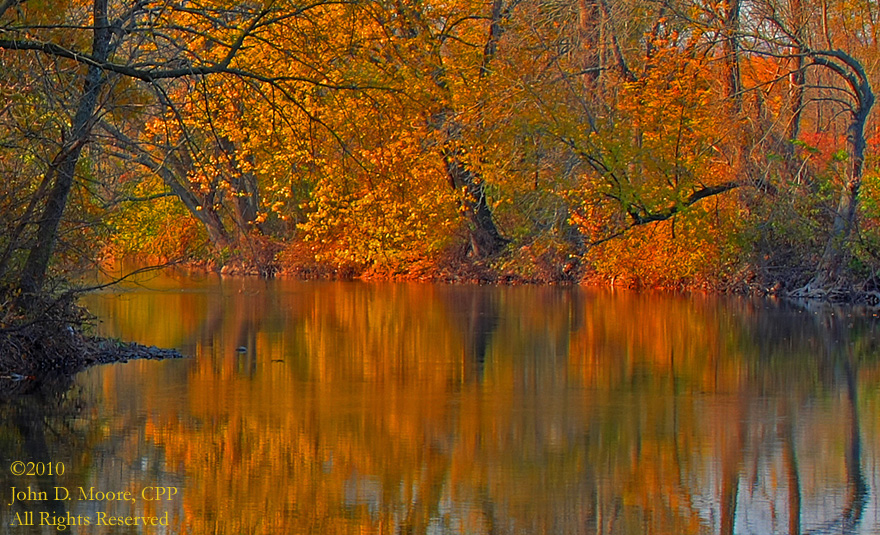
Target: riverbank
x=746, y=280
x=47, y=348
x=33, y=357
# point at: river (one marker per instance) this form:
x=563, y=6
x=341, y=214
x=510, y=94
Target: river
x=349, y=407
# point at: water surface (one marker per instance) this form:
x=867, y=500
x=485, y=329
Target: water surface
x=399, y=408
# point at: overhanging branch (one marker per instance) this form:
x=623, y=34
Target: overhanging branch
x=643, y=216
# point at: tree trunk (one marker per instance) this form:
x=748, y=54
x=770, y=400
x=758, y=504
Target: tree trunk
x=246, y=201
x=796, y=98
x=173, y=169
x=589, y=38
x=798, y=78
x=204, y=212
x=836, y=248
x=731, y=54
x=218, y=235
x=484, y=236
x=797, y=84
x=37, y=264
x=485, y=240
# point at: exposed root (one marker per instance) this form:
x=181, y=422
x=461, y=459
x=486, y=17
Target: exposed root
x=841, y=292
x=808, y=291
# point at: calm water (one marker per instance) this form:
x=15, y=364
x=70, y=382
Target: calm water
x=395, y=408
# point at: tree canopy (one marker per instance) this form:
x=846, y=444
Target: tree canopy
x=681, y=143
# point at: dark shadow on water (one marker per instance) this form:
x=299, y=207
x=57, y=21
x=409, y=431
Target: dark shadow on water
x=38, y=429
x=475, y=312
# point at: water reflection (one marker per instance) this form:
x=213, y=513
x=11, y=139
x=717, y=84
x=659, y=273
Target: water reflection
x=27, y=431
x=393, y=408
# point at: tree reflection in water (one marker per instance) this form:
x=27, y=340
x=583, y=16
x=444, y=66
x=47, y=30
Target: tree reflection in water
x=421, y=408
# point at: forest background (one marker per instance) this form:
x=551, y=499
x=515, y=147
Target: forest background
x=725, y=145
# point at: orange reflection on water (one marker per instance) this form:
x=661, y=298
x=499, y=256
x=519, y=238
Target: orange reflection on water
x=362, y=408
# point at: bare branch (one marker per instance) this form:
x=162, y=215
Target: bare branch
x=644, y=216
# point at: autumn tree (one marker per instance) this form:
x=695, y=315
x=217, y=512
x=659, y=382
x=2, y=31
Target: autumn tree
x=460, y=43
x=826, y=61
x=190, y=145
x=379, y=134
x=161, y=87
x=103, y=47
x=404, y=150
